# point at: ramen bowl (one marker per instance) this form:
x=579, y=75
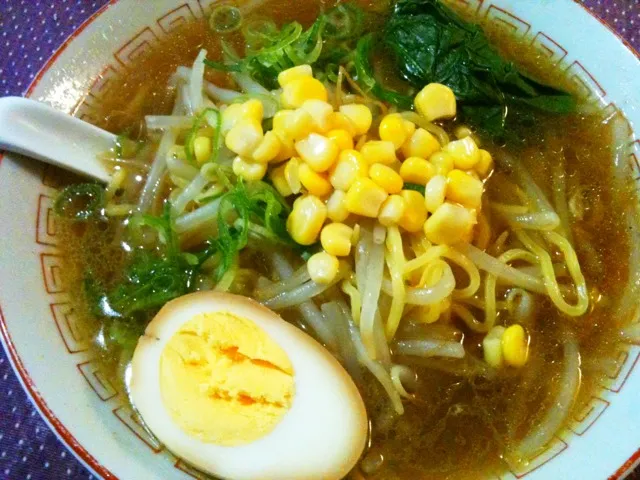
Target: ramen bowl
x=50, y=348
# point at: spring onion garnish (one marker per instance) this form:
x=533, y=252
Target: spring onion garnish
x=225, y=19
x=80, y=202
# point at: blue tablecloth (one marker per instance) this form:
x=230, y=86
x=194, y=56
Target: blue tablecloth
x=30, y=32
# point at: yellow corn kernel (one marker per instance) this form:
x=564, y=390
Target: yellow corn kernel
x=360, y=116
x=386, y=177
x=250, y=171
x=492, y=346
x=464, y=189
x=319, y=152
x=336, y=239
x=253, y=110
x=420, y=144
x=417, y=170
x=485, y=165
x=337, y=206
x=315, y=183
x=415, y=212
x=450, y=224
x=342, y=138
x=202, y=149
x=301, y=89
x=379, y=151
x=348, y=168
x=230, y=116
x=465, y=153
x=443, y=162
x=435, y=192
x=355, y=238
x=365, y=198
x=392, y=210
x=292, y=174
x=290, y=74
x=436, y=101
x=293, y=124
x=515, y=346
x=287, y=148
x=320, y=113
x=339, y=121
x=268, y=149
x=392, y=129
x=409, y=127
x=244, y=138
x=306, y=219
x=323, y=267
x=279, y=181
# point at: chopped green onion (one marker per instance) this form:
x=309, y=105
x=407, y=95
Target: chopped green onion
x=225, y=19
x=415, y=187
x=80, y=201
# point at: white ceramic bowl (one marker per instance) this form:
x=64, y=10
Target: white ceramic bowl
x=48, y=348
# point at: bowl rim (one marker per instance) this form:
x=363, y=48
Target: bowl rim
x=29, y=386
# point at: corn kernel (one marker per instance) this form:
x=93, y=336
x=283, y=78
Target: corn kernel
x=337, y=206
x=492, y=346
x=515, y=346
x=464, y=189
x=230, y=116
x=450, y=224
x=336, y=239
x=342, y=138
x=323, y=267
x=379, y=151
x=253, y=110
x=485, y=165
x=319, y=152
x=409, y=127
x=386, y=177
x=294, y=124
x=244, y=138
x=392, y=210
x=292, y=174
x=436, y=101
x=279, y=181
x=250, y=171
x=287, y=148
x=360, y=116
x=306, y=219
x=348, y=168
x=417, y=170
x=462, y=131
x=415, y=212
x=268, y=149
x=355, y=238
x=443, y=162
x=435, y=192
x=315, y=183
x=420, y=144
x=339, y=121
x=365, y=198
x=465, y=153
x=286, y=76
x=320, y=114
x=392, y=129
x=301, y=89
x=202, y=149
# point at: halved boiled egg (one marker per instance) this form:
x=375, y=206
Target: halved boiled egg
x=236, y=391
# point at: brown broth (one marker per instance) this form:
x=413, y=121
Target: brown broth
x=458, y=425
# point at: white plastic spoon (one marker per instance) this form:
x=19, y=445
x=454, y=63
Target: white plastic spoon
x=37, y=130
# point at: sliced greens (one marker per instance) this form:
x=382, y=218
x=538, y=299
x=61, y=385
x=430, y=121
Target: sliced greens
x=430, y=44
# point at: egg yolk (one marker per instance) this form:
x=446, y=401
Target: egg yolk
x=224, y=380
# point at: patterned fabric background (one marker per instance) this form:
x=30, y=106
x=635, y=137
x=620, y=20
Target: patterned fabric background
x=30, y=32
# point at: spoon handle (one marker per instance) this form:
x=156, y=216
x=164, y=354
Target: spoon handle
x=37, y=130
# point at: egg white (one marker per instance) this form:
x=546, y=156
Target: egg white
x=321, y=436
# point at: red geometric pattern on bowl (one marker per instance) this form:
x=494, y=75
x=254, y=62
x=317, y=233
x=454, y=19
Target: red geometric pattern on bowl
x=76, y=341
